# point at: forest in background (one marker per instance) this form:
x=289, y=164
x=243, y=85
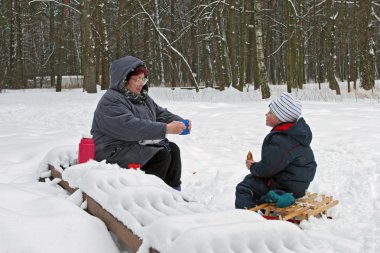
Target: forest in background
x=198, y=43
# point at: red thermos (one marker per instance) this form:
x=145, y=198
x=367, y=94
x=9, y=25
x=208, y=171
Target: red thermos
x=134, y=166
x=86, y=148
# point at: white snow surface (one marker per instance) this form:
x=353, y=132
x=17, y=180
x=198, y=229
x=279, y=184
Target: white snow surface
x=38, y=127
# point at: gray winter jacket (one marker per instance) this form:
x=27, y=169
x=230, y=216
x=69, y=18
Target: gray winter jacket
x=119, y=124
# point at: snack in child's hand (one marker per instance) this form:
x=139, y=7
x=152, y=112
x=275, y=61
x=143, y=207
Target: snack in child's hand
x=249, y=156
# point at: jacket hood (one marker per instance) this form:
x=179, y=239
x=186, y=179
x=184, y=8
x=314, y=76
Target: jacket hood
x=119, y=70
x=301, y=132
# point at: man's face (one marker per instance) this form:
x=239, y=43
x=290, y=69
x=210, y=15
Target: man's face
x=136, y=83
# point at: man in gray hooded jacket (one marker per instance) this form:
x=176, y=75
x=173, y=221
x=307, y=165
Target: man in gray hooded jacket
x=130, y=128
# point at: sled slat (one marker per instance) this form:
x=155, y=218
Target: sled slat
x=257, y=208
x=322, y=208
x=312, y=204
x=294, y=214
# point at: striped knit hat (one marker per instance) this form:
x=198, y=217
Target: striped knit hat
x=286, y=108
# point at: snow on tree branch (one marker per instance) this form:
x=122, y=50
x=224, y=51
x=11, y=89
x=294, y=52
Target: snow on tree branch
x=170, y=45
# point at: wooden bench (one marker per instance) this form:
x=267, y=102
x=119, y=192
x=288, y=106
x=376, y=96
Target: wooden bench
x=124, y=233
x=310, y=205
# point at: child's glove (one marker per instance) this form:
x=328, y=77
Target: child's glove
x=280, y=198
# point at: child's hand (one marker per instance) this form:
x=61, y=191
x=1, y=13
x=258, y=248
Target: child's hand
x=249, y=156
x=249, y=163
x=249, y=160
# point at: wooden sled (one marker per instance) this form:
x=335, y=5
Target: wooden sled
x=310, y=205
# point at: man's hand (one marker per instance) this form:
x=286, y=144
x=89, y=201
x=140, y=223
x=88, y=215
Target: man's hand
x=189, y=125
x=175, y=127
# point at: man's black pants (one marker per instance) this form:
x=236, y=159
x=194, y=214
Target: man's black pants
x=166, y=164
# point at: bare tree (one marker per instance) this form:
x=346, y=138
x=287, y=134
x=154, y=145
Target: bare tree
x=222, y=75
x=16, y=63
x=60, y=45
x=118, y=31
x=331, y=66
x=52, y=62
x=291, y=54
x=159, y=41
x=104, y=54
x=367, y=67
x=195, y=83
x=262, y=72
x=232, y=42
x=88, y=53
x=193, y=42
x=243, y=45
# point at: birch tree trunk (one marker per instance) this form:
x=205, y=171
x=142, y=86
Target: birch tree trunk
x=52, y=63
x=355, y=47
x=300, y=66
x=20, y=57
x=291, y=76
x=160, y=49
x=255, y=62
x=172, y=73
x=232, y=42
x=331, y=65
x=12, y=48
x=222, y=70
x=271, y=35
x=263, y=79
x=250, y=38
x=243, y=45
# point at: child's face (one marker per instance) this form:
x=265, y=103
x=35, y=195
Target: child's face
x=271, y=119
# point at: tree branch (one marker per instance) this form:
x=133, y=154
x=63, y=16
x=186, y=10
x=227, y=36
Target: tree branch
x=54, y=1
x=170, y=46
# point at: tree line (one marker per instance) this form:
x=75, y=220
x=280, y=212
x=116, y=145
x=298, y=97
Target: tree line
x=198, y=43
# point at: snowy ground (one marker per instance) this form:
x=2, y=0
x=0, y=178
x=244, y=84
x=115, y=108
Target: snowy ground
x=37, y=217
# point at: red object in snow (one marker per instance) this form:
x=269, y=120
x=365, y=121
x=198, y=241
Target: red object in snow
x=134, y=166
x=86, y=149
x=268, y=217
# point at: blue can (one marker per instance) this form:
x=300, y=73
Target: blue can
x=186, y=130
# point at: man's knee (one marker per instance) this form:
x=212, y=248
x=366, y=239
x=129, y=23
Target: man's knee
x=164, y=156
x=174, y=148
x=243, y=197
x=242, y=189
x=248, y=192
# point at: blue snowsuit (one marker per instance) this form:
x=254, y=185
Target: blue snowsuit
x=287, y=163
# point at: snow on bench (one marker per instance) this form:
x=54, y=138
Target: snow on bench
x=166, y=222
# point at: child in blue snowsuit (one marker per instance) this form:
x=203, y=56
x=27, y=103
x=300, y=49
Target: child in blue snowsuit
x=287, y=160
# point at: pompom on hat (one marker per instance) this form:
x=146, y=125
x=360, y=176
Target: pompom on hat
x=286, y=108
